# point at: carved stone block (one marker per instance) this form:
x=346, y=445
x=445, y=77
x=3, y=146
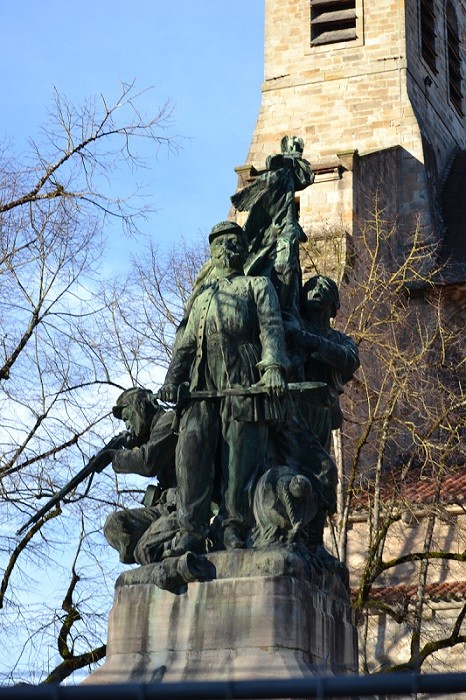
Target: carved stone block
x=263, y=615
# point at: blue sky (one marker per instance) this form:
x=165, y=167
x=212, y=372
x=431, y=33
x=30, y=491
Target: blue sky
x=206, y=57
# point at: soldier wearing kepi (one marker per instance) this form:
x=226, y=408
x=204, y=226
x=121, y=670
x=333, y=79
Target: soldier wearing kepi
x=138, y=534
x=233, y=336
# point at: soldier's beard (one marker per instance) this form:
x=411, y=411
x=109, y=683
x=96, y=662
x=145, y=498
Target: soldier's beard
x=231, y=260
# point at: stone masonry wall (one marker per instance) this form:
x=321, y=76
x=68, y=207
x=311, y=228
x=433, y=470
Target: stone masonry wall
x=442, y=128
x=387, y=641
x=349, y=96
x=439, y=121
x=338, y=96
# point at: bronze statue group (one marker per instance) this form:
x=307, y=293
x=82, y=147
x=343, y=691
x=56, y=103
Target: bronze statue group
x=242, y=459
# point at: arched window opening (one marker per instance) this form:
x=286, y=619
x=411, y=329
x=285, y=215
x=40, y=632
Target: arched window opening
x=454, y=60
x=428, y=35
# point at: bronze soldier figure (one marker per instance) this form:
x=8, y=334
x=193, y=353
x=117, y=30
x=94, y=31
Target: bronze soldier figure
x=233, y=336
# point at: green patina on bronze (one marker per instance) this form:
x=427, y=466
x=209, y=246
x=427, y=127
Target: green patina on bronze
x=255, y=379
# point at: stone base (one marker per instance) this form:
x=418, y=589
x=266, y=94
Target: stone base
x=264, y=615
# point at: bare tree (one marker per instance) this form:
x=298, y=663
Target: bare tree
x=147, y=306
x=405, y=427
x=57, y=379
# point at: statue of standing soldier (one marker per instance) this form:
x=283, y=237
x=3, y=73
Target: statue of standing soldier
x=233, y=337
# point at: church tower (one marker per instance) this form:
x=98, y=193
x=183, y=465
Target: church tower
x=377, y=92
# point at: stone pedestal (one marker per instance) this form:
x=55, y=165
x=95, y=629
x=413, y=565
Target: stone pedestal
x=263, y=615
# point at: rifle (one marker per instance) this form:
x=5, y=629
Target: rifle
x=96, y=464
x=317, y=392
x=320, y=391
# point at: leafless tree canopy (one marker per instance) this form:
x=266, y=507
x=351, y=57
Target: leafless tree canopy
x=69, y=343
x=405, y=425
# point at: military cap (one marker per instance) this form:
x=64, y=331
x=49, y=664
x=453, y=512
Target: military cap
x=129, y=395
x=225, y=227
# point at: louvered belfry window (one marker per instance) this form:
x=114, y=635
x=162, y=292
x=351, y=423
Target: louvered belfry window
x=454, y=60
x=428, y=35
x=332, y=21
